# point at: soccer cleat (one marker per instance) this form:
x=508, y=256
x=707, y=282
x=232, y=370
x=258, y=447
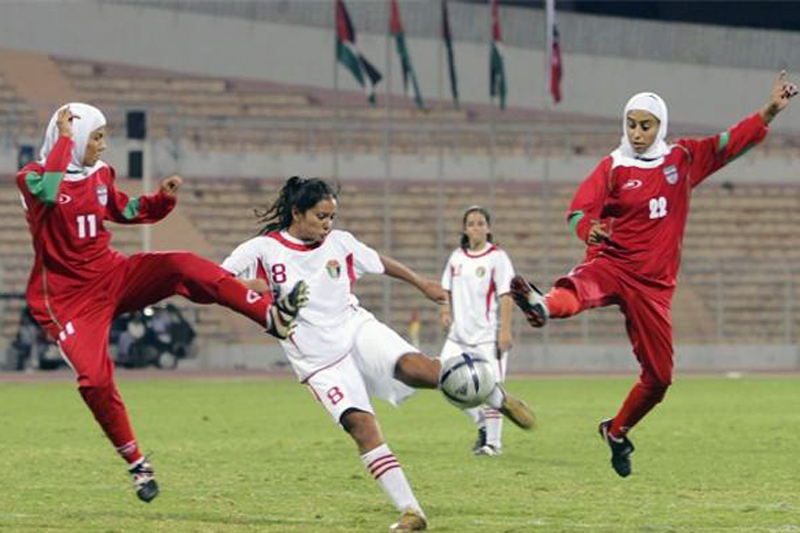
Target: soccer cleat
x=517, y=411
x=144, y=481
x=410, y=520
x=621, y=449
x=282, y=315
x=530, y=300
x=489, y=450
x=480, y=442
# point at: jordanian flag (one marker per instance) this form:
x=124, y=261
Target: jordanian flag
x=448, y=43
x=348, y=54
x=497, y=74
x=554, y=51
x=396, y=29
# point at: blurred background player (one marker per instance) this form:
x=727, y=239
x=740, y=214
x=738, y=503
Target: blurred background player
x=631, y=213
x=477, y=279
x=78, y=283
x=339, y=350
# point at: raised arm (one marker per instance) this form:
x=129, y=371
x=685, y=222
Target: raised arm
x=710, y=154
x=143, y=209
x=429, y=288
x=44, y=186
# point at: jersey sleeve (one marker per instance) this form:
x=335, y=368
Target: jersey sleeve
x=710, y=154
x=447, y=275
x=42, y=183
x=587, y=203
x=143, y=209
x=244, y=260
x=365, y=259
x=503, y=272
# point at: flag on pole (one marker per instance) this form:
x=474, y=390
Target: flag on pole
x=348, y=54
x=448, y=43
x=554, y=52
x=396, y=29
x=497, y=75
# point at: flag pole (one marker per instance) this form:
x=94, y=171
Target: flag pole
x=439, y=128
x=338, y=103
x=492, y=123
x=546, y=183
x=387, y=204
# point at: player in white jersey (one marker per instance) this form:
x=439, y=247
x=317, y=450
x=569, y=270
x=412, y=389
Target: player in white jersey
x=477, y=278
x=338, y=349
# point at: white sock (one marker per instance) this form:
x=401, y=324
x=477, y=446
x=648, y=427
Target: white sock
x=476, y=415
x=495, y=399
x=384, y=467
x=494, y=427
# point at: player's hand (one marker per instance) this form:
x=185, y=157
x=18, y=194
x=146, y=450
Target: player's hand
x=598, y=233
x=282, y=315
x=64, y=122
x=434, y=291
x=171, y=185
x=446, y=317
x=503, y=341
x=779, y=97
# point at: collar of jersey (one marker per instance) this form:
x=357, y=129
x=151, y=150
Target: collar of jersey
x=475, y=256
x=299, y=246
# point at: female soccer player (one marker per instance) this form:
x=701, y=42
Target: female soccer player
x=631, y=212
x=78, y=283
x=477, y=278
x=339, y=350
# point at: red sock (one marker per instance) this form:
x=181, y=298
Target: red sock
x=562, y=303
x=109, y=411
x=641, y=399
x=234, y=294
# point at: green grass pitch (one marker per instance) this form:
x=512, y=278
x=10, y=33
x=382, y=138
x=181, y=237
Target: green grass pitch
x=261, y=455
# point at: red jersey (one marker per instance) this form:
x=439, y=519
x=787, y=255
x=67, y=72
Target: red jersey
x=66, y=214
x=646, y=205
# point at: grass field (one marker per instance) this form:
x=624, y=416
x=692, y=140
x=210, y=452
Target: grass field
x=261, y=455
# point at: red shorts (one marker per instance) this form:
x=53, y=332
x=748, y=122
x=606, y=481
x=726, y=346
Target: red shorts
x=647, y=310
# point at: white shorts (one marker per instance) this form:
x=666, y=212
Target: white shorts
x=487, y=350
x=367, y=370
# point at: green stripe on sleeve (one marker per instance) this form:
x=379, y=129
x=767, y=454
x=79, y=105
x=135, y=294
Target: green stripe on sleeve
x=724, y=137
x=574, y=218
x=132, y=209
x=44, y=187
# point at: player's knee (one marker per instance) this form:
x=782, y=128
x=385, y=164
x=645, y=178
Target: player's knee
x=657, y=386
x=100, y=380
x=361, y=426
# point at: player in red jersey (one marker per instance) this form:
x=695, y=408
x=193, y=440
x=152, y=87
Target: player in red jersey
x=631, y=212
x=78, y=283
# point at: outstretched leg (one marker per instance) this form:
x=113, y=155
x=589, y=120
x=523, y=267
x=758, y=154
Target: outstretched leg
x=151, y=277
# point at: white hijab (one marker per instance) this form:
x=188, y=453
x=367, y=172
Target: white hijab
x=654, y=156
x=87, y=120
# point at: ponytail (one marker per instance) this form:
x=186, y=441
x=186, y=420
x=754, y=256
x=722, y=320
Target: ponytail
x=299, y=193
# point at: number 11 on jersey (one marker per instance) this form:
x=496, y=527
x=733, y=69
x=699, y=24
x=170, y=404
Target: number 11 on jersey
x=87, y=226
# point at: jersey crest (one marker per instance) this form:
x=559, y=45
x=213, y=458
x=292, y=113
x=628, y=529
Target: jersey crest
x=671, y=173
x=480, y=271
x=102, y=194
x=334, y=268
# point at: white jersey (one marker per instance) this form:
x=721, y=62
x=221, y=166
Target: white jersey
x=327, y=326
x=476, y=281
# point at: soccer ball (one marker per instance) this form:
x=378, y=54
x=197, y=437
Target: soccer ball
x=466, y=380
